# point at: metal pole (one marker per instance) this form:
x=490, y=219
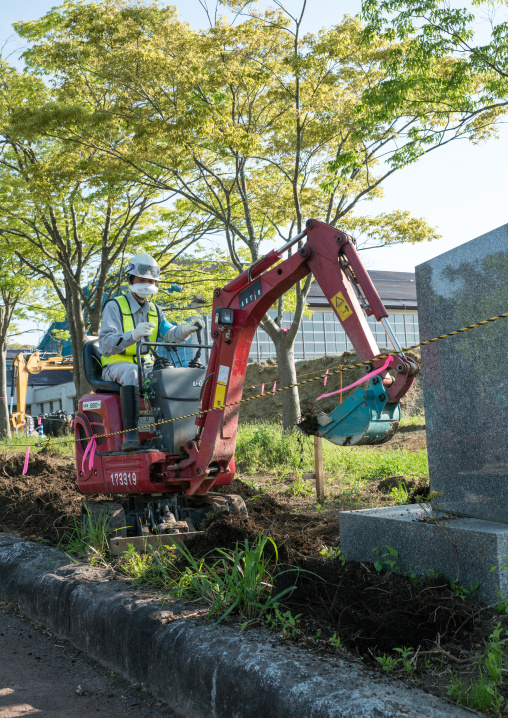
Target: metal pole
x=391, y=335
x=292, y=241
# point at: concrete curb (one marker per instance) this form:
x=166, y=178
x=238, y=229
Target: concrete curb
x=200, y=673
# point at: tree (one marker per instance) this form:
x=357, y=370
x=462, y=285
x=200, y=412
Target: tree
x=255, y=124
x=466, y=96
x=72, y=223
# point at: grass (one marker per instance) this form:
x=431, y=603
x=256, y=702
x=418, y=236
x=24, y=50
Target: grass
x=237, y=581
x=17, y=443
x=266, y=448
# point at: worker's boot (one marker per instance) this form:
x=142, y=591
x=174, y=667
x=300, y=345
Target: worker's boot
x=129, y=405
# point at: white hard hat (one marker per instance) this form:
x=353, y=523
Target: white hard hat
x=143, y=265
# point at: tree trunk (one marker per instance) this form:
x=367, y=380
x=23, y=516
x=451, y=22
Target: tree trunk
x=5, y=429
x=77, y=329
x=285, y=353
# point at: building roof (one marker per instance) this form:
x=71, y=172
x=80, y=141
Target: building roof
x=396, y=289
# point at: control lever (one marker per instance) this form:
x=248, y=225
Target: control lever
x=195, y=363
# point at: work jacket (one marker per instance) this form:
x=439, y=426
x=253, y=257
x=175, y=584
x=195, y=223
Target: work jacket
x=119, y=318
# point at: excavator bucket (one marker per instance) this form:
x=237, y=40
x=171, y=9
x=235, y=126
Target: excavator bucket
x=365, y=417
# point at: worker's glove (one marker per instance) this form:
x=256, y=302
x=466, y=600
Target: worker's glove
x=144, y=329
x=196, y=323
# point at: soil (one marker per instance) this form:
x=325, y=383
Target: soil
x=42, y=504
x=269, y=408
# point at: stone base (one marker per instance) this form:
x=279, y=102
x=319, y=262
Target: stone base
x=462, y=549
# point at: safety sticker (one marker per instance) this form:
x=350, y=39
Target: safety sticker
x=223, y=374
x=343, y=309
x=220, y=395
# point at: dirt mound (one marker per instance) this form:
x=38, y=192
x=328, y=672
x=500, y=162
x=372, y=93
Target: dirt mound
x=41, y=504
x=270, y=408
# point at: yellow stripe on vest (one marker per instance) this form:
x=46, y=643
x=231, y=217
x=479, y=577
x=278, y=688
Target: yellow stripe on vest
x=129, y=354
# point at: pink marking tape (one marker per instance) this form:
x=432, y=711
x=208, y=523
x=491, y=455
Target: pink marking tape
x=262, y=389
x=91, y=447
x=326, y=378
x=25, y=465
x=39, y=420
x=274, y=386
x=70, y=424
x=360, y=381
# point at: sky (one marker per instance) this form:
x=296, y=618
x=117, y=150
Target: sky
x=459, y=189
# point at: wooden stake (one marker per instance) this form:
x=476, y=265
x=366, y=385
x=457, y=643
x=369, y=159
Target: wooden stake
x=318, y=461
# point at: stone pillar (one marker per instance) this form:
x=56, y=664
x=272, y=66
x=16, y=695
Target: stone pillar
x=465, y=384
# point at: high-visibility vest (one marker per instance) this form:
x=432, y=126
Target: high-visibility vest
x=129, y=354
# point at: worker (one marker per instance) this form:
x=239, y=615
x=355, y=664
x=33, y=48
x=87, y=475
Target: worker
x=126, y=320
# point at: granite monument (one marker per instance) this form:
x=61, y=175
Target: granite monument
x=465, y=384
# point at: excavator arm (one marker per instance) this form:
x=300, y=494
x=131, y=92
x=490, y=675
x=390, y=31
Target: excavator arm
x=22, y=368
x=238, y=309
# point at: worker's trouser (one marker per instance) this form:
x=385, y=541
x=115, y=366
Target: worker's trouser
x=124, y=373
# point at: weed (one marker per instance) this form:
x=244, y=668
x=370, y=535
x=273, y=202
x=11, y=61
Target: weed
x=483, y=694
x=388, y=663
x=388, y=561
x=405, y=655
x=135, y=564
x=463, y=591
x=237, y=580
x=88, y=538
x=333, y=553
x=299, y=487
x=400, y=494
x=285, y=622
x=335, y=641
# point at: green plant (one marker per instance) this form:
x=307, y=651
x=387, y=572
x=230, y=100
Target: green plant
x=237, y=580
x=405, y=656
x=134, y=564
x=388, y=561
x=88, y=538
x=333, y=552
x=388, y=663
x=400, y=494
x=285, y=622
x=299, y=487
x=335, y=641
x=483, y=694
x=464, y=591
x=458, y=689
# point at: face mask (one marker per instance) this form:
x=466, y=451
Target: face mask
x=144, y=290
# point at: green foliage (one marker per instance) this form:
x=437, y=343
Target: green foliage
x=88, y=539
x=266, y=447
x=387, y=561
x=439, y=75
x=283, y=622
x=335, y=641
x=483, y=692
x=388, y=663
x=239, y=580
x=333, y=553
x=464, y=591
x=400, y=494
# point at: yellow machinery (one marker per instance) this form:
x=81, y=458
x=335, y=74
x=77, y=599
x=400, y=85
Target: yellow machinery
x=22, y=368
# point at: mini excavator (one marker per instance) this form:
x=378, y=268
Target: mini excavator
x=189, y=415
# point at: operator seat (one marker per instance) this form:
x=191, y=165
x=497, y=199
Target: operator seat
x=93, y=368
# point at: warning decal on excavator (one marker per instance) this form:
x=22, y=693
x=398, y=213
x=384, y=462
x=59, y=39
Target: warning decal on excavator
x=220, y=395
x=339, y=303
